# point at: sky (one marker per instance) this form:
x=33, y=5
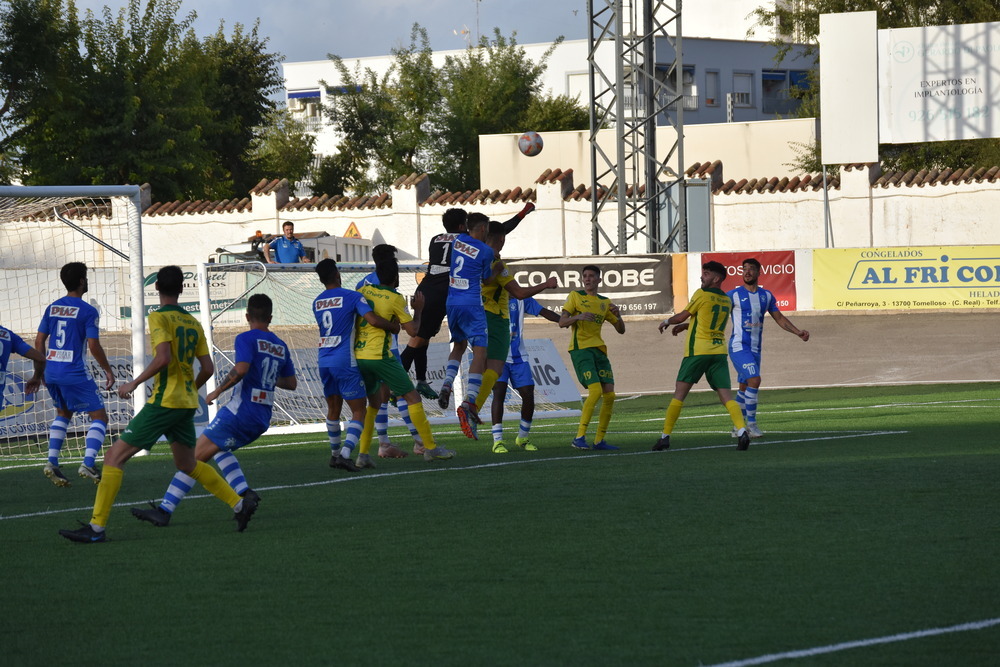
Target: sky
x=312, y=29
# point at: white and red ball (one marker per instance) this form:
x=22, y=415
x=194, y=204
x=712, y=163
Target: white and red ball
x=530, y=143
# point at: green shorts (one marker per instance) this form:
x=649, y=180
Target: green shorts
x=592, y=365
x=715, y=368
x=389, y=371
x=498, y=342
x=155, y=420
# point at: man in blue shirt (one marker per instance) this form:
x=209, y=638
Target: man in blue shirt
x=67, y=325
x=335, y=310
x=471, y=264
x=263, y=362
x=287, y=249
x=750, y=303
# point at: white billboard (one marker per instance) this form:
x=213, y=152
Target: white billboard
x=939, y=83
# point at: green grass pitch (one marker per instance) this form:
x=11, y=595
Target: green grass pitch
x=863, y=514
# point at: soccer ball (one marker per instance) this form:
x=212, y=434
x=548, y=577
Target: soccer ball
x=530, y=143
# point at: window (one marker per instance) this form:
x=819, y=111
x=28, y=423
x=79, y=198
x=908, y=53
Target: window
x=712, y=88
x=669, y=80
x=743, y=89
x=778, y=90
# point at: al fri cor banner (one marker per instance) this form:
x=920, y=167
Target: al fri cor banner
x=906, y=278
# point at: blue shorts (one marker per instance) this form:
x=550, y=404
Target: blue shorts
x=468, y=323
x=228, y=432
x=746, y=363
x=517, y=374
x=343, y=381
x=78, y=397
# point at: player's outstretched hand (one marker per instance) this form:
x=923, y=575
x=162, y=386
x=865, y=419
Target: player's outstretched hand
x=417, y=301
x=528, y=208
x=804, y=335
x=683, y=326
x=551, y=283
x=109, y=380
x=125, y=389
x=33, y=385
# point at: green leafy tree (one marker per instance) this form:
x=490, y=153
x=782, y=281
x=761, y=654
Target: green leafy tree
x=802, y=20
x=487, y=90
x=557, y=114
x=246, y=75
x=281, y=148
x=384, y=120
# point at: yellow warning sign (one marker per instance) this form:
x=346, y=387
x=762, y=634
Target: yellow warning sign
x=352, y=232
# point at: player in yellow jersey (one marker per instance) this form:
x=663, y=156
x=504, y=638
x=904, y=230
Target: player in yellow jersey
x=381, y=369
x=705, y=352
x=584, y=312
x=177, y=340
x=496, y=302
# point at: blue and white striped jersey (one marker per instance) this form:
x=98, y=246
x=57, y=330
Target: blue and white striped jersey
x=748, y=313
x=518, y=308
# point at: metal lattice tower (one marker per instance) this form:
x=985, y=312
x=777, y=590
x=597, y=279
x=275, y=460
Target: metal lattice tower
x=628, y=97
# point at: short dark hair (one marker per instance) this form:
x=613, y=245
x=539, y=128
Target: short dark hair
x=591, y=267
x=327, y=271
x=383, y=251
x=715, y=267
x=170, y=280
x=288, y=223
x=475, y=220
x=259, y=308
x=72, y=275
x=388, y=272
x=453, y=218
x=752, y=261
x=496, y=229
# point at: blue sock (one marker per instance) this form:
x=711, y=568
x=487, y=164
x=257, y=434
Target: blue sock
x=354, y=429
x=751, y=403
x=524, y=428
x=473, y=382
x=179, y=487
x=497, y=432
x=382, y=423
x=232, y=471
x=57, y=436
x=94, y=442
x=333, y=430
x=450, y=372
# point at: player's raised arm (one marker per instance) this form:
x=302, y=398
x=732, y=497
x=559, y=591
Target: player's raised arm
x=519, y=292
x=787, y=325
x=674, y=319
x=509, y=225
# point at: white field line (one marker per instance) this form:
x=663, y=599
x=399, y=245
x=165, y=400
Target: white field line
x=862, y=643
x=960, y=403
x=444, y=468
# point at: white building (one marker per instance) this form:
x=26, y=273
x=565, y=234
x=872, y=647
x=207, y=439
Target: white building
x=718, y=61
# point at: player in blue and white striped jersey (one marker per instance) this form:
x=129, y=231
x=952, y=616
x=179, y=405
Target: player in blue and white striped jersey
x=263, y=362
x=11, y=343
x=750, y=303
x=517, y=372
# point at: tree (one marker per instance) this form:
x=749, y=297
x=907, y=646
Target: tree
x=384, y=120
x=419, y=117
x=281, y=148
x=246, y=76
x=131, y=98
x=487, y=90
x=802, y=19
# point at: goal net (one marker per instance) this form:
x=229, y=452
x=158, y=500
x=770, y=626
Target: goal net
x=225, y=289
x=41, y=229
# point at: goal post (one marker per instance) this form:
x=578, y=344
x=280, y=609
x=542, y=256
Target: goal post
x=41, y=229
x=224, y=290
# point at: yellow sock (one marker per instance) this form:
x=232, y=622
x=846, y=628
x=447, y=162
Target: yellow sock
x=419, y=419
x=215, y=484
x=673, y=412
x=736, y=414
x=365, y=441
x=107, y=491
x=486, y=388
x=593, y=395
x=607, y=407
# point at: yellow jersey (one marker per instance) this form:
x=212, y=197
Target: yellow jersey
x=173, y=387
x=371, y=342
x=588, y=334
x=709, y=310
x=496, y=299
